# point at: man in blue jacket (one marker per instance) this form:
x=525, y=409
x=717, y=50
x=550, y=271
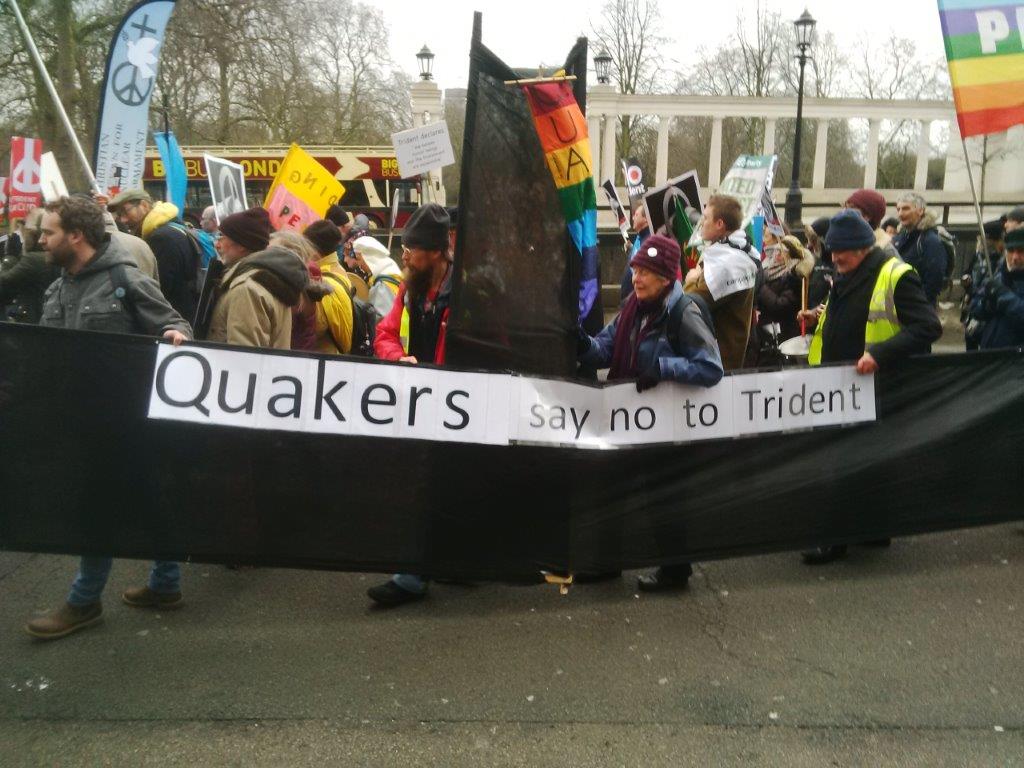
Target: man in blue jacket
x=999, y=304
x=919, y=244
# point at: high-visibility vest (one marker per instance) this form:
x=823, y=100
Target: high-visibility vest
x=403, y=330
x=883, y=322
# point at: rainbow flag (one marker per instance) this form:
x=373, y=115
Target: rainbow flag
x=562, y=130
x=986, y=62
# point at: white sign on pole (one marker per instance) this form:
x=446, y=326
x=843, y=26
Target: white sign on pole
x=51, y=180
x=423, y=149
x=227, y=186
x=345, y=397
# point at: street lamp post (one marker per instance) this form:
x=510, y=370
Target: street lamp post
x=426, y=61
x=602, y=65
x=804, y=40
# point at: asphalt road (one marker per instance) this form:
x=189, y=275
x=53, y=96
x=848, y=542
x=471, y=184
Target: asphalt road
x=906, y=656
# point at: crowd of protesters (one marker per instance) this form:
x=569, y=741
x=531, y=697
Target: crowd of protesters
x=862, y=290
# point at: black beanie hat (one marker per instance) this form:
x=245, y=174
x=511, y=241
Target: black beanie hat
x=820, y=226
x=847, y=231
x=250, y=229
x=427, y=228
x=337, y=215
x=325, y=237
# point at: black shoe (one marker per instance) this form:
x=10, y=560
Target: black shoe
x=594, y=577
x=665, y=578
x=822, y=555
x=391, y=595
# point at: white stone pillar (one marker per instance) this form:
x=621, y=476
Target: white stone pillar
x=608, y=158
x=871, y=164
x=924, y=147
x=594, y=129
x=661, y=166
x=715, y=159
x=769, y=136
x=820, y=155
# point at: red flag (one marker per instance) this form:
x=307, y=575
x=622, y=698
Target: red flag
x=25, y=190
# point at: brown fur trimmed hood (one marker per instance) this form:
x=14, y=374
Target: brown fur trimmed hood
x=278, y=270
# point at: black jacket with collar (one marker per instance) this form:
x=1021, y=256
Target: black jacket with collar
x=843, y=334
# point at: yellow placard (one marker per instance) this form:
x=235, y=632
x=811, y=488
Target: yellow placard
x=307, y=180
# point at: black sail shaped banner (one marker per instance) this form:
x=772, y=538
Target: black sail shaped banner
x=514, y=299
x=84, y=470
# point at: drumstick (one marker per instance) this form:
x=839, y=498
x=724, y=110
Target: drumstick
x=803, y=307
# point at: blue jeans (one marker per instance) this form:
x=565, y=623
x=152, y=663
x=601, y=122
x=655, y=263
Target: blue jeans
x=165, y=577
x=410, y=583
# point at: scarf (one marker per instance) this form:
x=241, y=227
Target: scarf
x=777, y=262
x=635, y=323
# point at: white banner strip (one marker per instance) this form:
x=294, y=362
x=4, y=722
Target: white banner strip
x=225, y=387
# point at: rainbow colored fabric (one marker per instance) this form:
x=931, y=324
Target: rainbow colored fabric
x=563, y=134
x=986, y=62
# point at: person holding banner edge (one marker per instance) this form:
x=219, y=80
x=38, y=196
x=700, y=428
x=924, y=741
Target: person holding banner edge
x=414, y=332
x=661, y=334
x=876, y=314
x=98, y=274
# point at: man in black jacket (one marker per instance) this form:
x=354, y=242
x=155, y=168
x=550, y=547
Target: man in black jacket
x=876, y=314
x=919, y=244
x=25, y=279
x=177, y=254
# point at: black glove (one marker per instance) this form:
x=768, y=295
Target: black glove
x=994, y=288
x=582, y=341
x=648, y=378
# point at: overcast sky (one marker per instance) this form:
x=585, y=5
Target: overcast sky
x=530, y=32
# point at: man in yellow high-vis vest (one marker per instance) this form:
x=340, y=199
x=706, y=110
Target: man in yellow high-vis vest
x=876, y=313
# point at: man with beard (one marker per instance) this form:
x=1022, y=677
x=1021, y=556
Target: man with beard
x=178, y=255
x=102, y=289
x=414, y=332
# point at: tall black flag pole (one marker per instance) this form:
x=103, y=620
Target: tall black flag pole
x=45, y=76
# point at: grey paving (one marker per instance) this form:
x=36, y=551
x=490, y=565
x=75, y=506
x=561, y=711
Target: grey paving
x=905, y=656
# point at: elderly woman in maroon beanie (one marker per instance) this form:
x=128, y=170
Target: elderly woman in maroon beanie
x=661, y=332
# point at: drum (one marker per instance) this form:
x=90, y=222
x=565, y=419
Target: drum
x=794, y=351
x=362, y=290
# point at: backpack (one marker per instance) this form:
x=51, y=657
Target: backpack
x=948, y=244
x=197, y=268
x=364, y=322
x=364, y=327
x=390, y=280
x=675, y=316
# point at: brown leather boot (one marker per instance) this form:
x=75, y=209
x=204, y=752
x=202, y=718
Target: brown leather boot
x=144, y=597
x=65, y=620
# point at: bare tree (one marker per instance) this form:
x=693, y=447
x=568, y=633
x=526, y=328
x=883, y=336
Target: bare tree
x=630, y=31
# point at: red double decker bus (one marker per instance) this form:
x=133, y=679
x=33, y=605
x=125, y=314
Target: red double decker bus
x=370, y=176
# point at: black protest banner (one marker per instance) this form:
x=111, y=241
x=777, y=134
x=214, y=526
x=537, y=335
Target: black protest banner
x=516, y=279
x=85, y=470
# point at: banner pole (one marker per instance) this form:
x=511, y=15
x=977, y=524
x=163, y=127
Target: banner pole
x=977, y=209
x=34, y=52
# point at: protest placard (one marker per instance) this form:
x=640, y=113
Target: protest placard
x=423, y=149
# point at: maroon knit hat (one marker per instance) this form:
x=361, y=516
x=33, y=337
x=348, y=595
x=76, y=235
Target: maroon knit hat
x=871, y=203
x=250, y=229
x=659, y=254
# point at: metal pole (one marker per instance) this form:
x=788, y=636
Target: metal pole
x=794, y=198
x=34, y=52
x=977, y=209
